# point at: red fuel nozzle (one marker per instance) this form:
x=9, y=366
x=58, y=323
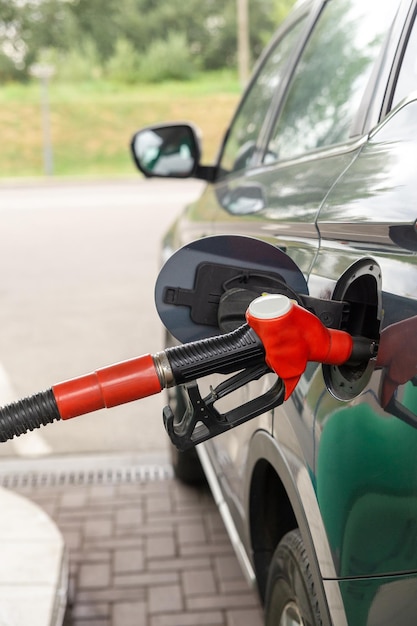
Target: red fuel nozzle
x=132, y=380
x=292, y=336
x=279, y=332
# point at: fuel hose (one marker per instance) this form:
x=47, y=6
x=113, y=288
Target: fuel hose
x=132, y=380
x=279, y=332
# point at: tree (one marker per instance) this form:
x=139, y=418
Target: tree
x=29, y=26
x=208, y=29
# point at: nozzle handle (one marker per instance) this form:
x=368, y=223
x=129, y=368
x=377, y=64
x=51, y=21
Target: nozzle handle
x=222, y=354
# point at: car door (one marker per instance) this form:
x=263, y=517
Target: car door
x=273, y=188
x=233, y=206
x=366, y=436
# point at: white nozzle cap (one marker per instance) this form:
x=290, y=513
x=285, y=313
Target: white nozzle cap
x=270, y=306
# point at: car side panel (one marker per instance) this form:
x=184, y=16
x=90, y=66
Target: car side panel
x=287, y=221
x=364, y=468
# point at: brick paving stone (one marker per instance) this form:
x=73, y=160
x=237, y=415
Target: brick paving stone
x=94, y=576
x=158, y=505
x=50, y=508
x=237, y=585
x=152, y=553
x=148, y=488
x=154, y=527
x=102, y=492
x=72, y=518
x=180, y=564
x=91, y=611
x=236, y=601
x=212, y=618
x=113, y=543
x=197, y=582
x=192, y=533
x=97, y=507
x=91, y=556
x=111, y=594
x=129, y=614
x=227, y=567
x=147, y=579
x=74, y=498
x=207, y=549
x=165, y=599
x=251, y=617
x=72, y=539
x=129, y=516
x=98, y=527
x=158, y=547
x=128, y=561
x=94, y=622
x=176, y=517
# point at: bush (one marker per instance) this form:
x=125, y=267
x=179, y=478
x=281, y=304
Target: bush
x=167, y=59
x=8, y=70
x=123, y=66
x=78, y=64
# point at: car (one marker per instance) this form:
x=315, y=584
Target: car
x=319, y=161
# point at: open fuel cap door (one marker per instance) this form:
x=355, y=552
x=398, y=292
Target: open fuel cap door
x=205, y=288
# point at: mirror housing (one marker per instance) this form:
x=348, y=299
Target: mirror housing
x=169, y=151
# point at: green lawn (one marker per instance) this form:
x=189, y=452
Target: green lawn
x=92, y=123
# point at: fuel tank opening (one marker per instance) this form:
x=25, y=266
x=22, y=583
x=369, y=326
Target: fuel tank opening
x=360, y=288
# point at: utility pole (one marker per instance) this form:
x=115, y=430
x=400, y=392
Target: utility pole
x=243, y=53
x=44, y=73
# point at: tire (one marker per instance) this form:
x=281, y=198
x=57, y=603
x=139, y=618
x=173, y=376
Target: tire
x=290, y=595
x=187, y=467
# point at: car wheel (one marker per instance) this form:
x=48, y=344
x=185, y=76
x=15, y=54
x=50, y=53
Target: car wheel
x=290, y=597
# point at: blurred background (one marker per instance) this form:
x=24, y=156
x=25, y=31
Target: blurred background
x=81, y=230
x=80, y=245
x=78, y=77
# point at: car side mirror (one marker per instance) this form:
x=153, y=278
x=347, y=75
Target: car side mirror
x=167, y=151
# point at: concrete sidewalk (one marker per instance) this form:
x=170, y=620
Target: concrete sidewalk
x=33, y=565
x=144, y=550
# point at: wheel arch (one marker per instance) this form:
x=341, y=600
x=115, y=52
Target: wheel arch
x=271, y=516
x=279, y=492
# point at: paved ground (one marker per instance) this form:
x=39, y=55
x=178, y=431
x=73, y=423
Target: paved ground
x=145, y=551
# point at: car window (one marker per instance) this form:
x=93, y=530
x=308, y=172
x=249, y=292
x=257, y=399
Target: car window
x=329, y=82
x=407, y=77
x=241, y=141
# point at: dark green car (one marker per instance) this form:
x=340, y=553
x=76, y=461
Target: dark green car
x=320, y=160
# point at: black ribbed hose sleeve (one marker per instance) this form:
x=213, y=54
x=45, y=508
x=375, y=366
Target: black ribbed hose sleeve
x=27, y=414
x=223, y=354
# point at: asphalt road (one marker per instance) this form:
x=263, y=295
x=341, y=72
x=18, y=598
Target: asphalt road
x=78, y=266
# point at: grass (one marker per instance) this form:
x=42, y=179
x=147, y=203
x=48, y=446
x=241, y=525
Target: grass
x=92, y=123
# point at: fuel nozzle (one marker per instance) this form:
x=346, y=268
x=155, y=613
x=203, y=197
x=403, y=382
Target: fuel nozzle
x=280, y=335
x=292, y=336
